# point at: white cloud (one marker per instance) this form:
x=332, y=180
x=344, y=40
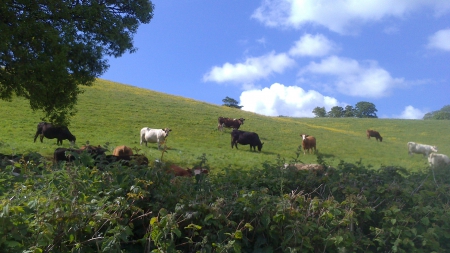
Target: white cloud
x=352, y=78
x=440, y=40
x=313, y=45
x=252, y=69
x=285, y=100
x=341, y=16
x=411, y=113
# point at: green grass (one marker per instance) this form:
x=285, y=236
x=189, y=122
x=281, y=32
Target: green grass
x=114, y=113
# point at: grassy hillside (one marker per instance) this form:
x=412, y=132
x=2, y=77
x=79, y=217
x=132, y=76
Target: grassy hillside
x=114, y=113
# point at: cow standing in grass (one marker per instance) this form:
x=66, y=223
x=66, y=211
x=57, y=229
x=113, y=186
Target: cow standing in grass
x=308, y=143
x=154, y=135
x=373, y=133
x=246, y=138
x=229, y=123
x=418, y=148
x=50, y=131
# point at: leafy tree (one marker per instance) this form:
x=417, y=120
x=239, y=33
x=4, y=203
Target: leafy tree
x=443, y=114
x=336, y=112
x=320, y=112
x=365, y=110
x=349, y=111
x=49, y=48
x=230, y=102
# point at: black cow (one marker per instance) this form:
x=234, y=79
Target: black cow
x=246, y=138
x=66, y=154
x=229, y=123
x=50, y=131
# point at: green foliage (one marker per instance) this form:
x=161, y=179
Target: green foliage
x=273, y=208
x=320, y=112
x=365, y=110
x=443, y=114
x=49, y=49
x=336, y=112
x=349, y=111
x=231, y=102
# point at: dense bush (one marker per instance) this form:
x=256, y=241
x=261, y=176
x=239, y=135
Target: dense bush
x=273, y=208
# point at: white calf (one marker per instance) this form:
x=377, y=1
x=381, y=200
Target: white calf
x=420, y=148
x=154, y=135
x=436, y=160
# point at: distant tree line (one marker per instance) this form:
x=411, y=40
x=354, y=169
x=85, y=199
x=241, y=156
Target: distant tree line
x=361, y=110
x=444, y=113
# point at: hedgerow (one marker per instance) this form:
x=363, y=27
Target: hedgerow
x=273, y=208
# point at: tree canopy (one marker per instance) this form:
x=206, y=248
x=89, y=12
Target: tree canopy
x=362, y=110
x=231, y=102
x=49, y=48
x=365, y=110
x=443, y=114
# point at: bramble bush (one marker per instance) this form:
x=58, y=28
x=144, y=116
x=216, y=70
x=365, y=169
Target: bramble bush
x=352, y=208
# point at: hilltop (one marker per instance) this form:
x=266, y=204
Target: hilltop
x=112, y=114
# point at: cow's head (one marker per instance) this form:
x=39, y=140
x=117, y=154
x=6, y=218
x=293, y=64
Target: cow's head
x=304, y=136
x=242, y=120
x=434, y=149
x=260, y=146
x=167, y=130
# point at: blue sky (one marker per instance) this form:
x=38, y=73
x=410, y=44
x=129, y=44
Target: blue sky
x=287, y=57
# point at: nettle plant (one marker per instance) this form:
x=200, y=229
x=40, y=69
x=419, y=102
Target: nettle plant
x=275, y=208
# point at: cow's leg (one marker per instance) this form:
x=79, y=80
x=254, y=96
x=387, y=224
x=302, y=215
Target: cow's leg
x=41, y=137
x=35, y=136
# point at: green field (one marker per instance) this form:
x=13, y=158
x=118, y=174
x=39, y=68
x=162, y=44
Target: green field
x=113, y=113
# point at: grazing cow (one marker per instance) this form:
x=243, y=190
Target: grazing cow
x=154, y=135
x=229, y=123
x=64, y=154
x=246, y=138
x=420, y=148
x=50, y=131
x=373, y=133
x=122, y=150
x=180, y=172
x=308, y=143
x=436, y=160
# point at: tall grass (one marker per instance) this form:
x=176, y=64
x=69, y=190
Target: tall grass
x=112, y=113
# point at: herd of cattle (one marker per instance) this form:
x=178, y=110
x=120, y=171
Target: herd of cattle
x=124, y=154
x=434, y=159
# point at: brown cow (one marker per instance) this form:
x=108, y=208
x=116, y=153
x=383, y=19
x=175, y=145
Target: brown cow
x=372, y=133
x=308, y=143
x=229, y=123
x=180, y=172
x=122, y=150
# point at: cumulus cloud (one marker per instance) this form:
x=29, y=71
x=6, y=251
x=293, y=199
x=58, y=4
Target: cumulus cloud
x=411, y=113
x=313, y=45
x=440, y=40
x=353, y=78
x=283, y=100
x=252, y=69
x=340, y=16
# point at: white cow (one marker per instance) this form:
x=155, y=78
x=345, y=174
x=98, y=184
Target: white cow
x=154, y=135
x=436, y=160
x=420, y=148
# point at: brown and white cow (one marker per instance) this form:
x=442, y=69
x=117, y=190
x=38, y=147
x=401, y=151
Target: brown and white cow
x=180, y=172
x=308, y=143
x=229, y=123
x=373, y=133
